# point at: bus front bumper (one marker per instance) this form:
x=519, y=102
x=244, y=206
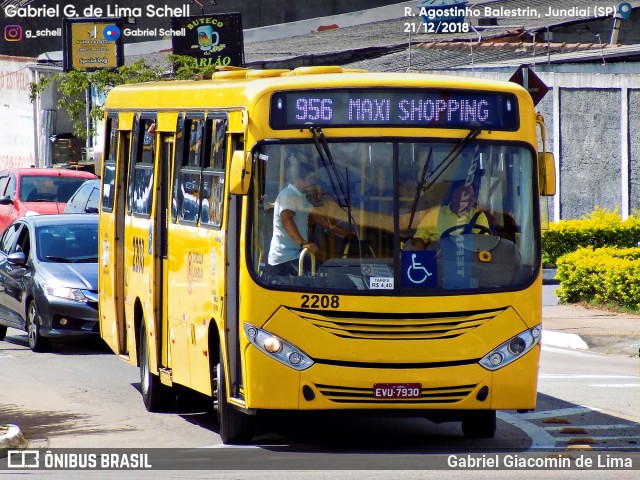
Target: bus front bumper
x=334, y=387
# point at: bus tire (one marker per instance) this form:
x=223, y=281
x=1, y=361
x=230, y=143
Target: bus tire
x=234, y=426
x=3, y=332
x=155, y=395
x=479, y=424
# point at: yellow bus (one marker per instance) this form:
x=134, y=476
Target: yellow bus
x=376, y=311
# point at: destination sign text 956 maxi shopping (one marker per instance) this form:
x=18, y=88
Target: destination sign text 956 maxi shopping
x=414, y=107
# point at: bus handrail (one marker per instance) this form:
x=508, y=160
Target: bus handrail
x=303, y=254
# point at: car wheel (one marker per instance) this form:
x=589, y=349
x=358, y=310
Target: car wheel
x=234, y=426
x=37, y=342
x=156, y=396
x=3, y=332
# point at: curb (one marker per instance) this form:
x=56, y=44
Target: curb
x=549, y=276
x=562, y=340
x=11, y=437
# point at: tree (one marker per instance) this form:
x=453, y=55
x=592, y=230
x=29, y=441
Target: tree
x=74, y=85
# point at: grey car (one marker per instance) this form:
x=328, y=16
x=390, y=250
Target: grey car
x=49, y=277
x=85, y=199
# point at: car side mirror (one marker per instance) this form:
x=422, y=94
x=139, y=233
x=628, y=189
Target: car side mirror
x=17, y=258
x=5, y=200
x=91, y=210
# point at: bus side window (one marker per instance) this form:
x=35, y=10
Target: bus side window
x=190, y=192
x=141, y=192
x=195, y=142
x=109, y=172
x=176, y=198
x=149, y=141
x=186, y=192
x=213, y=173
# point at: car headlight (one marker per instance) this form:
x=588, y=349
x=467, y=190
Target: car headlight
x=67, y=293
x=512, y=349
x=280, y=350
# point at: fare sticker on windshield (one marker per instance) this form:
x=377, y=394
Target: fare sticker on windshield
x=381, y=283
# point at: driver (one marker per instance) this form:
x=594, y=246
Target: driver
x=460, y=211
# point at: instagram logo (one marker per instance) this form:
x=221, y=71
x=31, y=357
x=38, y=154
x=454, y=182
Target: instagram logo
x=13, y=33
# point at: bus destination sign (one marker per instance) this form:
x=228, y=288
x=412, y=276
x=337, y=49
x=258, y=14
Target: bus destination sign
x=394, y=108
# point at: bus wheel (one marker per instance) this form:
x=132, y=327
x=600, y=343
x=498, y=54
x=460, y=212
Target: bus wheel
x=234, y=426
x=479, y=424
x=3, y=332
x=155, y=395
x=37, y=342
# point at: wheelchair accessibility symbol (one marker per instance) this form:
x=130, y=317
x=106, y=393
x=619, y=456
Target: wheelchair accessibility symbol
x=416, y=272
x=419, y=269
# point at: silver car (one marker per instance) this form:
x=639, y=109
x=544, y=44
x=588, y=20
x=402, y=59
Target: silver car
x=49, y=277
x=85, y=199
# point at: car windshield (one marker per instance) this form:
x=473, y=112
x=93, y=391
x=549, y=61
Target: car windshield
x=417, y=217
x=69, y=243
x=48, y=188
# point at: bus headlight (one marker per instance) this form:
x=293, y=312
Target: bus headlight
x=280, y=350
x=512, y=349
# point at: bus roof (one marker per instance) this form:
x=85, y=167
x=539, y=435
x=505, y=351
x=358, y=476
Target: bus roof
x=224, y=89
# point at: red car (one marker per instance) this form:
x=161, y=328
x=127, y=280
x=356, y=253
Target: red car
x=33, y=191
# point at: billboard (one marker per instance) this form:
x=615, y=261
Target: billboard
x=214, y=40
x=91, y=44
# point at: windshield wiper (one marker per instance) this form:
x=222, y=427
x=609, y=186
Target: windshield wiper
x=337, y=184
x=85, y=260
x=451, y=156
x=423, y=179
x=57, y=259
x=425, y=182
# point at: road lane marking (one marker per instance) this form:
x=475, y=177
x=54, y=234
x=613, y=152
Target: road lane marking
x=615, y=385
x=540, y=438
x=597, y=439
x=615, y=426
x=583, y=376
x=561, y=412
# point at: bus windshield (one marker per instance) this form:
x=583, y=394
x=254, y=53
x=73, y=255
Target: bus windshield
x=412, y=217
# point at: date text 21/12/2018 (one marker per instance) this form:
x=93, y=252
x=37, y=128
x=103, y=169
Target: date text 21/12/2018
x=436, y=27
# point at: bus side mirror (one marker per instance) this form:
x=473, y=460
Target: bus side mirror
x=546, y=173
x=240, y=173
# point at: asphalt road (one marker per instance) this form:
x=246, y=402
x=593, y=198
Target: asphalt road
x=82, y=396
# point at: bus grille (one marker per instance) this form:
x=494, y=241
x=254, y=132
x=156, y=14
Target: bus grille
x=339, y=394
x=398, y=326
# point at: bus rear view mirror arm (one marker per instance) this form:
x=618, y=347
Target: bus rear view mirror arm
x=240, y=173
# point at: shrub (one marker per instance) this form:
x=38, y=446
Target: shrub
x=600, y=229
x=602, y=275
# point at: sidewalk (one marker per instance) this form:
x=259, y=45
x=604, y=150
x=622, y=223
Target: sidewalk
x=574, y=326
x=564, y=326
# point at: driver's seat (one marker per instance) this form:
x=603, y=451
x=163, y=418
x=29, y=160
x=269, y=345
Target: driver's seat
x=487, y=261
